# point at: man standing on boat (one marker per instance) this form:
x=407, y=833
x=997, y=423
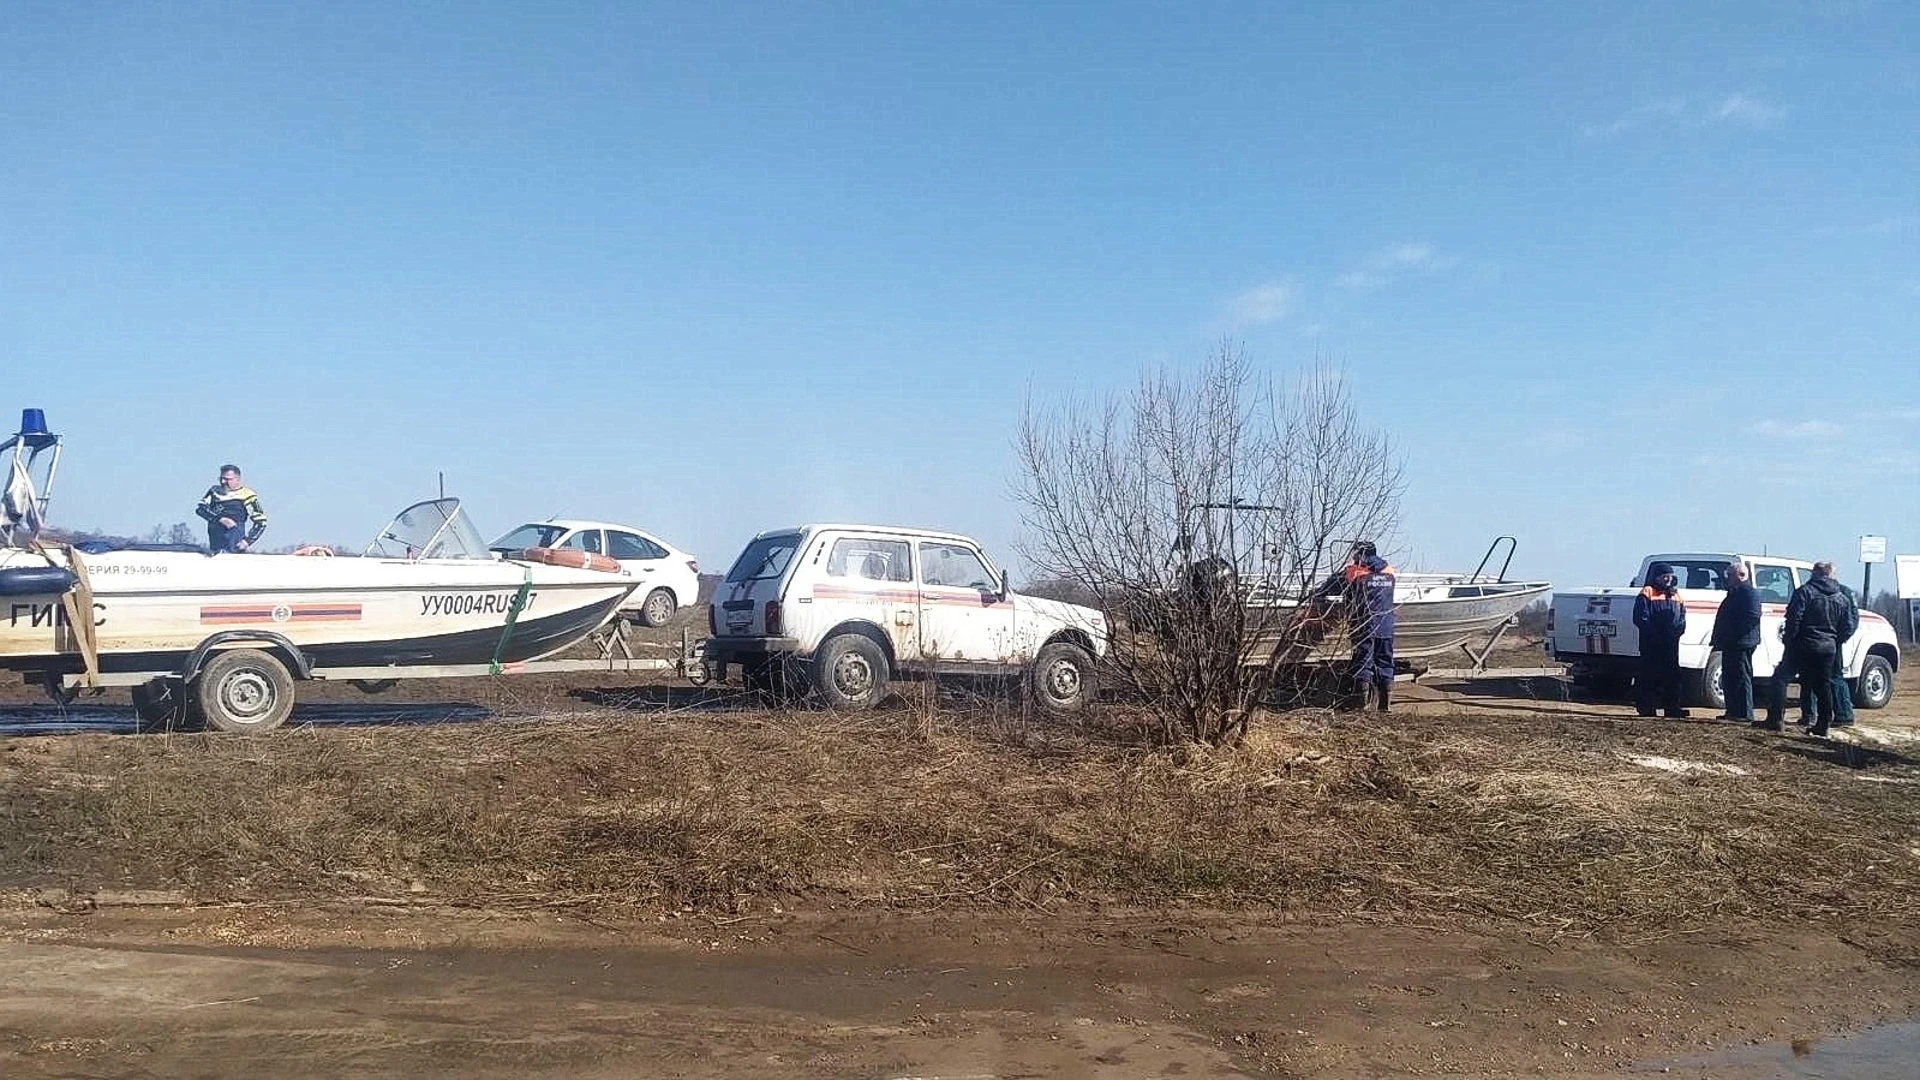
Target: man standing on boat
x=1369, y=582
x=233, y=513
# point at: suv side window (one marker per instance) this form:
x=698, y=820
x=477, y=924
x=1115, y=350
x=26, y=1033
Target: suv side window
x=869, y=560
x=584, y=540
x=1773, y=583
x=626, y=545
x=954, y=566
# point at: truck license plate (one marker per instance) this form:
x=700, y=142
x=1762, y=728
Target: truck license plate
x=739, y=621
x=1597, y=628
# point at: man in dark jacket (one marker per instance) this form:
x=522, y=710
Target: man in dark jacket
x=1842, y=693
x=1736, y=633
x=1661, y=617
x=1820, y=619
x=1369, y=582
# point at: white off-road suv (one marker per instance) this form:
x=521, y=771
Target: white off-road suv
x=841, y=609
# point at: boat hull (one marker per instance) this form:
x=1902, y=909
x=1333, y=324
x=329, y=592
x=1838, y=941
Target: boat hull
x=150, y=610
x=1433, y=615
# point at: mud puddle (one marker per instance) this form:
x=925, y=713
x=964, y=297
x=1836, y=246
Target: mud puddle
x=1887, y=1052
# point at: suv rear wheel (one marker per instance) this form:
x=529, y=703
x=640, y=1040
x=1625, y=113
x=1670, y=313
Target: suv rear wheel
x=1061, y=679
x=850, y=672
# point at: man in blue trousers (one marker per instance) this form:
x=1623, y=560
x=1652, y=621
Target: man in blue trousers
x=1368, y=583
x=1736, y=633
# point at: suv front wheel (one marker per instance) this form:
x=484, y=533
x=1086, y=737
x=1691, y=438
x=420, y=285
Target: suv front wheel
x=850, y=672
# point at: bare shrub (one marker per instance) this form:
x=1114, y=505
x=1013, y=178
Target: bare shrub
x=1531, y=620
x=1202, y=511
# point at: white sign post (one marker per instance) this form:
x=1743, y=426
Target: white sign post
x=1906, y=576
x=1906, y=582
x=1873, y=549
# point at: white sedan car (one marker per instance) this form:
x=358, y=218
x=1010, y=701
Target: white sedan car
x=669, y=578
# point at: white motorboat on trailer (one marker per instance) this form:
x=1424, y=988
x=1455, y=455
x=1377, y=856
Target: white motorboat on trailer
x=234, y=630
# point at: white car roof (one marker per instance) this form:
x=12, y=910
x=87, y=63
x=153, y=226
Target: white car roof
x=902, y=531
x=1727, y=556
x=576, y=524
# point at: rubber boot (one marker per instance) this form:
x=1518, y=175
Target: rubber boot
x=1383, y=692
x=1363, y=695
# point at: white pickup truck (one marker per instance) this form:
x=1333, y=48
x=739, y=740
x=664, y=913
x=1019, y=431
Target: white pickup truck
x=1592, y=631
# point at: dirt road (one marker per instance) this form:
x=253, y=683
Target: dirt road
x=249, y=992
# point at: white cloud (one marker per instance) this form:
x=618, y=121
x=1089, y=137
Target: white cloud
x=1672, y=109
x=1908, y=413
x=1398, y=261
x=1266, y=303
x=1803, y=429
x=1742, y=109
x=1886, y=226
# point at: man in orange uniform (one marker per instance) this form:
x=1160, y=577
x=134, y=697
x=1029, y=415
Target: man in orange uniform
x=1369, y=582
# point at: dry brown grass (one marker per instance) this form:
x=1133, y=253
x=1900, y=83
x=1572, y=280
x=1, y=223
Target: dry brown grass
x=1537, y=819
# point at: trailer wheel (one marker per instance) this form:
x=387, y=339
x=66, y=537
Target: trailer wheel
x=776, y=678
x=1707, y=691
x=1874, y=688
x=244, y=690
x=159, y=706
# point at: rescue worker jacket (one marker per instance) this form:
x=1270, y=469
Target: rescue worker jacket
x=1369, y=589
x=1660, y=614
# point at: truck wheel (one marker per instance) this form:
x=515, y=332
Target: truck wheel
x=850, y=672
x=658, y=608
x=159, y=706
x=244, y=690
x=1874, y=688
x=1707, y=693
x=1061, y=680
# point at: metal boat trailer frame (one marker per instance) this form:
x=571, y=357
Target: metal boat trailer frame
x=160, y=711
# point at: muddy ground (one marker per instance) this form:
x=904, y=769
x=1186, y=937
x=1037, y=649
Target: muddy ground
x=598, y=876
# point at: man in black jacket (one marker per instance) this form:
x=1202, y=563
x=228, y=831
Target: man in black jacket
x=1736, y=633
x=1820, y=619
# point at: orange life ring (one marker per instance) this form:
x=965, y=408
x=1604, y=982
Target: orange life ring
x=313, y=549
x=574, y=557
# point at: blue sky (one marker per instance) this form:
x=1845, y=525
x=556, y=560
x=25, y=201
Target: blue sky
x=1615, y=277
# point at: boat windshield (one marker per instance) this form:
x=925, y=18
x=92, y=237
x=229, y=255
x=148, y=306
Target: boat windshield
x=435, y=529
x=529, y=536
